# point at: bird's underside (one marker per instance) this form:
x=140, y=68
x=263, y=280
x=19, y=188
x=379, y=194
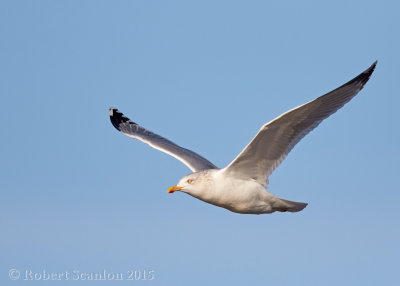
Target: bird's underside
x=258, y=159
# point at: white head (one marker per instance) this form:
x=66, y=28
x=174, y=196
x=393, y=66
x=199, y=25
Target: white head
x=187, y=184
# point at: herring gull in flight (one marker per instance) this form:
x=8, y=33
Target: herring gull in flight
x=241, y=186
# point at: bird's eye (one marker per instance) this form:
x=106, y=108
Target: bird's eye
x=190, y=181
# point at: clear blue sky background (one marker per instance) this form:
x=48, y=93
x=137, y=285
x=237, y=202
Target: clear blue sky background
x=78, y=195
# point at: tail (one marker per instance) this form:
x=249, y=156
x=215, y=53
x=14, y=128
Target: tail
x=282, y=205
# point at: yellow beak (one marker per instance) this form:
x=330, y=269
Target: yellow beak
x=173, y=189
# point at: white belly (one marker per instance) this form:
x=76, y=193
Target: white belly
x=236, y=195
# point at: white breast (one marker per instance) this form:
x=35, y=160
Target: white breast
x=237, y=195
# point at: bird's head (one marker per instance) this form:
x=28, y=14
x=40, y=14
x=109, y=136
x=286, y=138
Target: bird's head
x=186, y=184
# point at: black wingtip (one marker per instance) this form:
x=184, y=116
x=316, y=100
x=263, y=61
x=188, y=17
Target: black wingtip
x=364, y=76
x=371, y=69
x=117, y=118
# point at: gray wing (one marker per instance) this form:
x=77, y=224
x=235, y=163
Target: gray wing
x=277, y=138
x=194, y=161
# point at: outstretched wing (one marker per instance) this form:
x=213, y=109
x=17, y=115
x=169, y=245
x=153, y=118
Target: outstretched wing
x=194, y=161
x=277, y=138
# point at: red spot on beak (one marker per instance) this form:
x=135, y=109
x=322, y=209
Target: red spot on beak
x=173, y=189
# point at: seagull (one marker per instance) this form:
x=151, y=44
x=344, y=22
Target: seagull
x=241, y=187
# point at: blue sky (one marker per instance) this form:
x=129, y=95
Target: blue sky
x=77, y=195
